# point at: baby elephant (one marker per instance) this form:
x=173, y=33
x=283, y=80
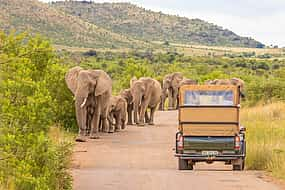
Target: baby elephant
x=117, y=112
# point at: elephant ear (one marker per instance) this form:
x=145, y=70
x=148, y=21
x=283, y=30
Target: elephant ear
x=133, y=79
x=103, y=82
x=71, y=78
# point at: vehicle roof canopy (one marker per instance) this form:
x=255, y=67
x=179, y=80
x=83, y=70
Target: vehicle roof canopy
x=210, y=90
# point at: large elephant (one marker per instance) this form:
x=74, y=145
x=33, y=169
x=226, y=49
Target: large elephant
x=117, y=110
x=126, y=93
x=146, y=93
x=92, y=90
x=233, y=81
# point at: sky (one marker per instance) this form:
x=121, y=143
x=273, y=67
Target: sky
x=263, y=20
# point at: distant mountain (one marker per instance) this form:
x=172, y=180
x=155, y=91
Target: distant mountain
x=62, y=28
x=111, y=25
x=131, y=20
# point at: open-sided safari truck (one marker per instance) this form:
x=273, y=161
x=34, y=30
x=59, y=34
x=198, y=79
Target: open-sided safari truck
x=209, y=129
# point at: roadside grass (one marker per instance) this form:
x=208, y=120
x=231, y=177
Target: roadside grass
x=265, y=138
x=64, y=141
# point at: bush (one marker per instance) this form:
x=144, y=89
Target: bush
x=32, y=94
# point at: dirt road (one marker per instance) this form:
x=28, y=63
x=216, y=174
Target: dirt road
x=141, y=158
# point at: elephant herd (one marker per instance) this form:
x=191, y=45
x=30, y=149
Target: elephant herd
x=97, y=110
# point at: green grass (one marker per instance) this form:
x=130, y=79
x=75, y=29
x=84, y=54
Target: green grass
x=266, y=138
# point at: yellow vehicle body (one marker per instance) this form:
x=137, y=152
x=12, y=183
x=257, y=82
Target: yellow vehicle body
x=209, y=120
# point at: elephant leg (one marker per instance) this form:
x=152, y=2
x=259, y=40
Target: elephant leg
x=152, y=110
x=111, y=124
x=100, y=129
x=105, y=125
x=123, y=121
x=170, y=99
x=146, y=117
x=136, y=113
x=129, y=110
x=160, y=105
x=177, y=104
x=95, y=123
x=95, y=126
x=175, y=96
x=118, y=123
x=143, y=108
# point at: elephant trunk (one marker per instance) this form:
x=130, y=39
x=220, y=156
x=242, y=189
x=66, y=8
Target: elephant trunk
x=81, y=114
x=162, y=99
x=136, y=110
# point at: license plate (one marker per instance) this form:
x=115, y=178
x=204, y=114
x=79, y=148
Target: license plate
x=210, y=153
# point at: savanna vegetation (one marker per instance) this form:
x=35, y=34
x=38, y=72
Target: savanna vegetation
x=36, y=108
x=266, y=138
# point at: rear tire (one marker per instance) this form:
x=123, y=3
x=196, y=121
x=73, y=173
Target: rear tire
x=183, y=165
x=240, y=166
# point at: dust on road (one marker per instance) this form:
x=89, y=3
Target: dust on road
x=141, y=158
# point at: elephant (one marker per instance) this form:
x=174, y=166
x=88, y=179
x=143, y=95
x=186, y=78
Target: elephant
x=92, y=90
x=126, y=94
x=170, y=86
x=146, y=93
x=233, y=81
x=117, y=110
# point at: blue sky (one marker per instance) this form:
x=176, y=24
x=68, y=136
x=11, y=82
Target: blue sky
x=264, y=20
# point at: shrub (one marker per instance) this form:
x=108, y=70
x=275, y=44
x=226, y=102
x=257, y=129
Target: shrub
x=31, y=98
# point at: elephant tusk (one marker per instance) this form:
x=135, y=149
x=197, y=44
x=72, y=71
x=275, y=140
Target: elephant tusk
x=84, y=102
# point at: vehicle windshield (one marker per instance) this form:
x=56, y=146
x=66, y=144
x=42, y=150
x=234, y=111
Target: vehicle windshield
x=208, y=98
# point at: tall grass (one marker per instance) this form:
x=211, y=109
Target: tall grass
x=265, y=138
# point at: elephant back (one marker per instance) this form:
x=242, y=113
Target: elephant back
x=186, y=81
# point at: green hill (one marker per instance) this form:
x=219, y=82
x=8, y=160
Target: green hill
x=62, y=28
x=111, y=25
x=139, y=23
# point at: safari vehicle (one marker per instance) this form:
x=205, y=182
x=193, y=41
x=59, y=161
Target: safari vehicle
x=209, y=128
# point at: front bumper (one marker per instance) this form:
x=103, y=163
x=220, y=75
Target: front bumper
x=209, y=158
